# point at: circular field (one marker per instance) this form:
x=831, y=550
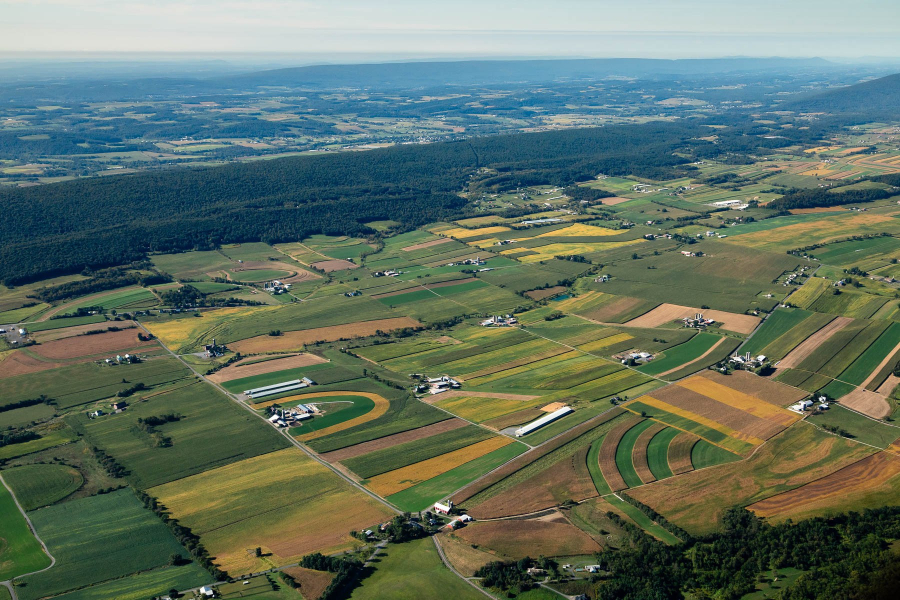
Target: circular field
x=257, y=275
x=41, y=484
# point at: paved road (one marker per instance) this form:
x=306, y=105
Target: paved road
x=8, y=584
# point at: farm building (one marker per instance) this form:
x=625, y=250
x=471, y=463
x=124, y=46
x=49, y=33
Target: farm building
x=535, y=425
x=277, y=388
x=500, y=321
x=443, y=509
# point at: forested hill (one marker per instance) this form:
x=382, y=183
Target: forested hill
x=879, y=98
x=482, y=72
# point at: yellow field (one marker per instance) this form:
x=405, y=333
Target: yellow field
x=381, y=407
x=551, y=250
x=406, y=477
x=822, y=230
x=809, y=291
x=479, y=409
x=283, y=502
x=461, y=233
x=649, y=400
x=524, y=368
x=605, y=342
x=581, y=230
x=740, y=400
x=180, y=332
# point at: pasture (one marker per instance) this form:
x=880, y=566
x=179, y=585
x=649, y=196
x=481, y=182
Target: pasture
x=231, y=508
x=20, y=552
x=42, y=484
x=114, y=533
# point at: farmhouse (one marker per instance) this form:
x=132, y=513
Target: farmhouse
x=698, y=321
x=276, y=287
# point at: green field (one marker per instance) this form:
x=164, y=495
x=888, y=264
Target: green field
x=704, y=454
x=780, y=322
x=256, y=381
x=642, y=520
x=382, y=461
x=593, y=463
x=422, y=495
x=411, y=571
x=54, y=436
x=25, y=415
x=212, y=431
x=139, y=586
x=209, y=287
x=869, y=360
x=112, y=532
x=42, y=484
x=679, y=355
x=685, y=424
x=131, y=297
x=624, y=450
x=658, y=452
x=337, y=410
x=863, y=429
x=20, y=552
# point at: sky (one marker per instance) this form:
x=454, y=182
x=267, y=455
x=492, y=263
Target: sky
x=430, y=29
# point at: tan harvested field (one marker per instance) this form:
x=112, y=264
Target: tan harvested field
x=295, y=340
x=888, y=386
x=696, y=360
x=871, y=404
x=427, y=244
x=745, y=402
x=392, y=440
x=666, y=313
x=765, y=389
x=465, y=394
x=406, y=477
x=313, y=583
x=330, y=266
x=567, y=479
x=553, y=406
x=612, y=201
x=545, y=293
x=810, y=344
x=748, y=427
x=241, y=369
x=18, y=362
x=462, y=555
x=65, y=332
x=91, y=345
x=612, y=309
x=520, y=417
x=867, y=474
x=607, y=456
x=639, y=456
x=679, y=456
x=250, y=503
x=518, y=538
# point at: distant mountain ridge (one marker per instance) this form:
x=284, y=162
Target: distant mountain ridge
x=475, y=72
x=879, y=98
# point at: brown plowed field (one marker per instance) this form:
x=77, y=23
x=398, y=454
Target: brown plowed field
x=868, y=403
x=520, y=538
x=868, y=473
x=392, y=440
x=666, y=313
x=90, y=345
x=809, y=345
x=733, y=418
x=334, y=265
x=612, y=201
x=680, y=453
x=313, y=583
x=427, y=244
x=567, y=479
x=20, y=363
x=614, y=308
x=608, y=454
x=639, y=455
x=765, y=389
x=295, y=340
x=239, y=371
x=545, y=293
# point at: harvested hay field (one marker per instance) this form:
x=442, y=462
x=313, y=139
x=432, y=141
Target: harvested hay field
x=886, y=388
x=330, y=266
x=743, y=425
x=639, y=456
x=666, y=313
x=313, y=583
x=612, y=201
x=463, y=556
x=567, y=479
x=381, y=406
x=607, y=456
x=91, y=345
x=767, y=390
x=869, y=473
x=737, y=399
x=520, y=417
x=545, y=293
x=231, y=508
x=520, y=538
x=392, y=440
x=406, y=477
x=621, y=305
x=18, y=362
x=241, y=369
x=811, y=344
x=871, y=404
x=428, y=244
x=295, y=340
x=679, y=454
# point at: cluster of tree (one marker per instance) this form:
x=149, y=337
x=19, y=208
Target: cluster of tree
x=17, y=436
x=184, y=535
x=656, y=517
x=109, y=463
x=42, y=399
x=131, y=390
x=345, y=571
x=100, y=281
x=107, y=330
x=823, y=197
x=149, y=426
x=513, y=576
x=579, y=193
x=187, y=296
x=573, y=258
x=728, y=565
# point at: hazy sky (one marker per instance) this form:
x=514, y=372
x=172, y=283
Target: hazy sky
x=427, y=28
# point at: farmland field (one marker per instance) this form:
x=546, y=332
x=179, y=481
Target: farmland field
x=41, y=485
x=230, y=509
x=21, y=553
